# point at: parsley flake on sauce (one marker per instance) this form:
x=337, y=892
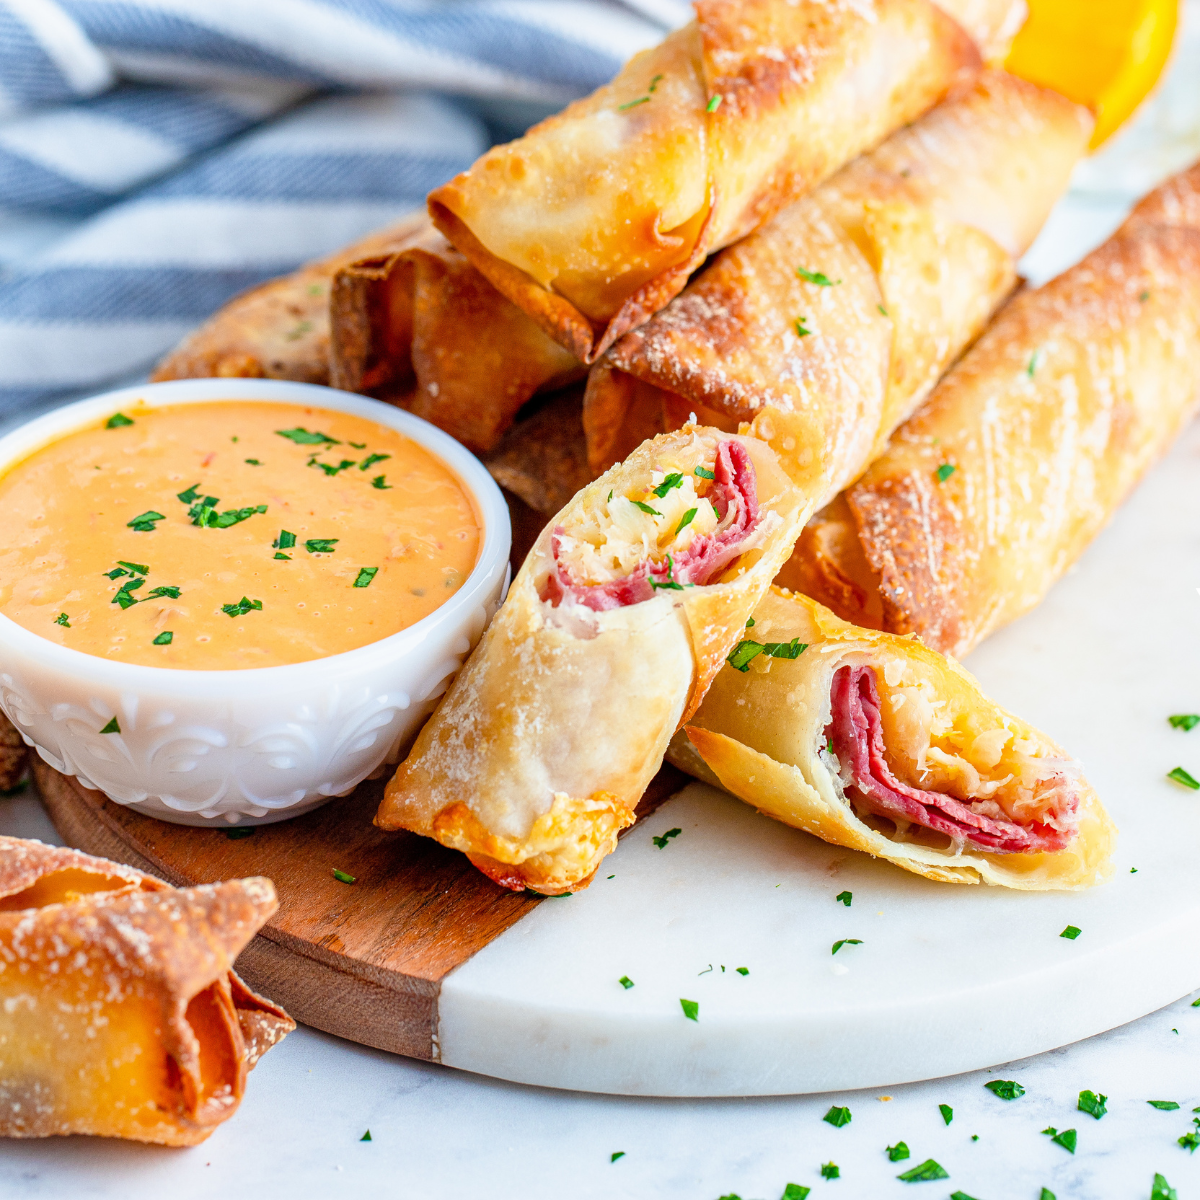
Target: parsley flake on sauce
x=123, y=597
x=285, y=540
x=116, y=421
x=62, y=620
x=1006, y=1089
x=329, y=468
x=164, y=639
x=837, y=1116
x=285, y=557
x=898, y=1152
x=714, y=103
x=241, y=608
x=1071, y=932
x=704, y=473
x=1067, y=1139
x=821, y=280
x=170, y=592
x=1163, y=1105
x=691, y=1009
x=254, y=462
x=342, y=877
x=647, y=509
x=380, y=482
x=136, y=568
x=661, y=842
x=945, y=471
x=845, y=942
x=674, y=480
x=189, y=495
x=625, y=982
x=802, y=330
x=321, y=545
x=371, y=460
x=1179, y=775
x=844, y=898
x=925, y=1172
x=145, y=522
x=1185, y=721
x=830, y=1170
x=364, y=576
x=1092, y=1103
x=947, y=1113
x=304, y=437
x=112, y=727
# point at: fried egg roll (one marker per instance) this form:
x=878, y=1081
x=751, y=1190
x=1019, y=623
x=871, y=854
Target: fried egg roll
x=825, y=328
x=877, y=743
x=622, y=614
x=421, y=327
x=120, y=1013
x=594, y=219
x=1024, y=451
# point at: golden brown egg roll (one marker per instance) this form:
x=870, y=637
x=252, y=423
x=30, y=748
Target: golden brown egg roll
x=120, y=1013
x=875, y=742
x=612, y=630
x=594, y=219
x=280, y=329
x=1024, y=451
x=421, y=327
x=826, y=328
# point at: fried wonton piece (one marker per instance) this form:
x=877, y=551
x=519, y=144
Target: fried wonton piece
x=13, y=755
x=120, y=1012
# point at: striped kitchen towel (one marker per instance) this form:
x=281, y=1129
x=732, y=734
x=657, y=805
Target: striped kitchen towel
x=158, y=156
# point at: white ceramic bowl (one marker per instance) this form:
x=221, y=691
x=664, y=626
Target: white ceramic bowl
x=253, y=746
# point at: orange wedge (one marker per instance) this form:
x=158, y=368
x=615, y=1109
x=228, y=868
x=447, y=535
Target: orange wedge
x=1106, y=54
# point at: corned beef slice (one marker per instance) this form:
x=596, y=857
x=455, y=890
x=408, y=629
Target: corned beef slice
x=856, y=732
x=733, y=487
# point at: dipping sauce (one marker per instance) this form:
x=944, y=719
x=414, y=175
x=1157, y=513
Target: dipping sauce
x=231, y=534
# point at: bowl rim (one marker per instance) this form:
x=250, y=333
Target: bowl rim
x=491, y=561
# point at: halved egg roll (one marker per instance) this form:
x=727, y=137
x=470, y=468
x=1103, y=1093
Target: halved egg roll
x=595, y=218
x=120, y=1013
x=280, y=329
x=612, y=630
x=421, y=327
x=825, y=328
x=1024, y=451
x=877, y=743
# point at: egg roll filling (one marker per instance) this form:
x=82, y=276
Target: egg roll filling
x=1033, y=807
x=681, y=530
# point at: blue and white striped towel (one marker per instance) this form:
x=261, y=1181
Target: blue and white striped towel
x=159, y=156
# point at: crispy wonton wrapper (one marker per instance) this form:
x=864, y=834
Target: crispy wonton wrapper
x=594, y=219
x=537, y=755
x=765, y=735
x=421, y=327
x=13, y=755
x=1027, y=447
x=827, y=327
x=120, y=1013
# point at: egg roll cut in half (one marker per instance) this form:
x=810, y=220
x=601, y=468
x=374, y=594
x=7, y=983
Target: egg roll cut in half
x=120, y=1013
x=877, y=743
x=279, y=329
x=1024, y=451
x=623, y=612
x=826, y=328
x=594, y=219
x=421, y=327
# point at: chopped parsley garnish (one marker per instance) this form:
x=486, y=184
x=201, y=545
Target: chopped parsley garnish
x=1035, y=361
x=115, y=573
x=1067, y=1139
x=136, y=568
x=898, y=1152
x=742, y=970
x=1190, y=1141
x=882, y=310
x=845, y=942
x=123, y=597
x=116, y=421
x=837, y=1116
x=817, y=277
x=321, y=545
x=925, y=1172
x=112, y=727
x=163, y=639
x=285, y=540
x=329, y=468
x=1163, y=1105
x=1047, y=1194
x=830, y=1170
x=691, y=1009
x=170, y=592
x=625, y=982
x=844, y=898
x=960, y=1196
x=749, y=622
x=241, y=608
x=795, y=1191
x=1143, y=297
x=145, y=523
x=685, y=520
x=802, y=330
x=1006, y=1089
x=1162, y=1190
x=746, y=651
x=661, y=842
x=647, y=509
x=188, y=496
x=285, y=557
x=1185, y=721
x=364, y=576
x=674, y=480
x=380, y=482
x=654, y=83
x=633, y=103
x=714, y=103
x=366, y=1137
x=1181, y=776
x=371, y=459
x=617, y=1154
x=1071, y=932
x=303, y=437
x=204, y=513
x=947, y=1113
x=1093, y=1103
x=342, y=877
x=357, y=445
x=254, y=462
x=945, y=471
x=62, y=620
x=243, y=831
x=704, y=473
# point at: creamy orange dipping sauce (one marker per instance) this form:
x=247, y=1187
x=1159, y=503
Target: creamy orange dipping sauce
x=231, y=534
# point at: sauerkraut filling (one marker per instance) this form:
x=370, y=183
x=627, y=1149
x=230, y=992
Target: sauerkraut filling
x=679, y=529
x=919, y=767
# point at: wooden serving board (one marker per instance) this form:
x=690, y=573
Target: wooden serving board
x=363, y=961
